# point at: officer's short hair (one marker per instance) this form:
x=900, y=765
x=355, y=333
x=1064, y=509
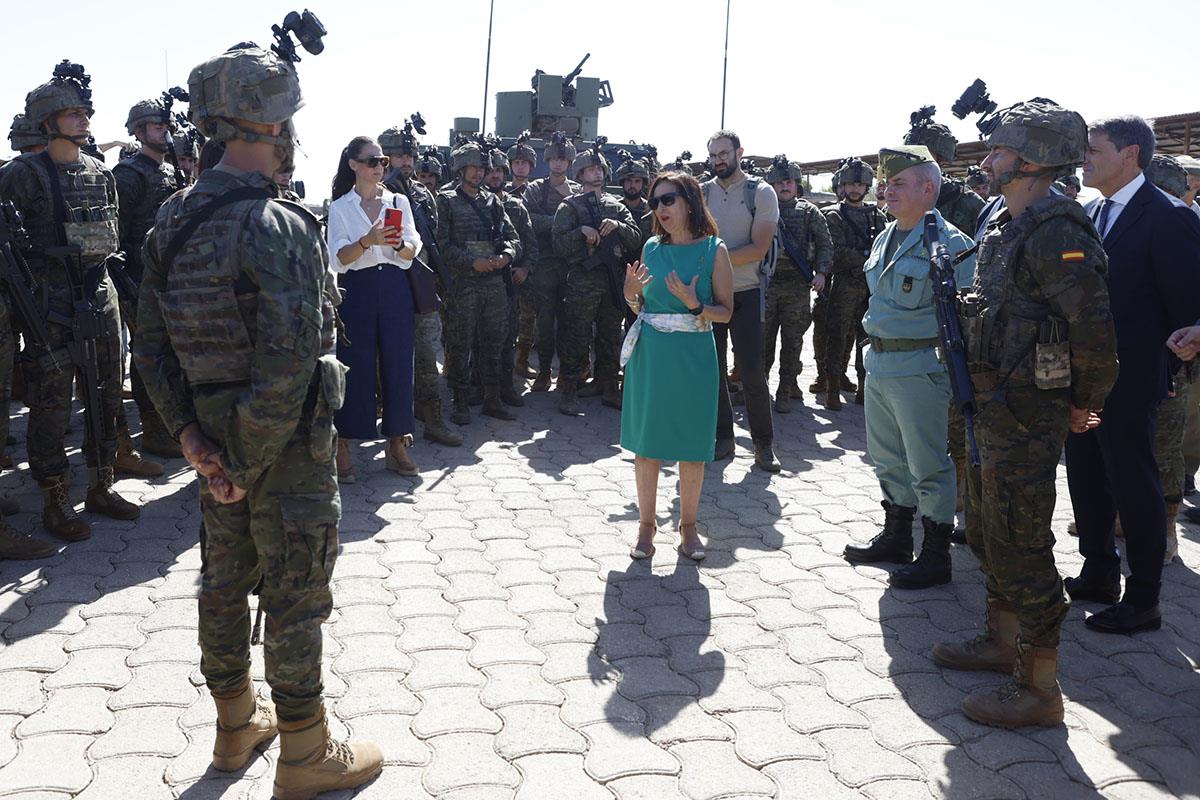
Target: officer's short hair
x=929, y=171
x=733, y=138
x=1126, y=130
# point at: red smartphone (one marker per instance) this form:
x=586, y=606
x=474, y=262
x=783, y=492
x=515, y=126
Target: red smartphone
x=393, y=218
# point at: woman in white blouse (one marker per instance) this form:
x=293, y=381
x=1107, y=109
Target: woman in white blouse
x=377, y=309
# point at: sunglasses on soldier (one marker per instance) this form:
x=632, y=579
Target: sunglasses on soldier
x=666, y=198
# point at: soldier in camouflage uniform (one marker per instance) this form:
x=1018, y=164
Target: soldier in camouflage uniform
x=542, y=199
x=87, y=192
x=853, y=226
x=1042, y=351
x=236, y=323
x=478, y=242
x=788, y=309
x=633, y=177
x=428, y=170
x=977, y=181
x=521, y=160
x=144, y=182
x=187, y=152
x=582, y=226
x=401, y=146
x=517, y=275
x=957, y=204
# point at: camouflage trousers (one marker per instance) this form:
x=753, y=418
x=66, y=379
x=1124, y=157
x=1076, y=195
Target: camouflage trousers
x=844, y=310
x=507, y=349
x=550, y=279
x=527, y=317
x=8, y=353
x=1168, y=439
x=789, y=316
x=1191, y=432
x=587, y=303
x=286, y=533
x=428, y=329
x=476, y=304
x=1021, y=437
x=50, y=394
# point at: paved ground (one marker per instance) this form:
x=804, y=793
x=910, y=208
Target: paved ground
x=493, y=635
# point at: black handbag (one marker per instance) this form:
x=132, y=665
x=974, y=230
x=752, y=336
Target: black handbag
x=422, y=284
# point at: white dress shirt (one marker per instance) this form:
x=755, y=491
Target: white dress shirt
x=348, y=223
x=1118, y=201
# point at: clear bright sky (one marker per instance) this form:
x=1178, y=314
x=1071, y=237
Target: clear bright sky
x=813, y=80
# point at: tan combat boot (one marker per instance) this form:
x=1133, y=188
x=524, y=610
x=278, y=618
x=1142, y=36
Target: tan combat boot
x=521, y=363
x=58, y=514
x=833, y=396
x=130, y=463
x=310, y=762
x=243, y=723
x=101, y=499
x=542, y=382
x=156, y=440
x=19, y=546
x=1172, y=536
x=817, y=386
x=1032, y=697
x=994, y=650
x=435, y=425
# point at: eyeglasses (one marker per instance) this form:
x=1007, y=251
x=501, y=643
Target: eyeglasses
x=375, y=161
x=666, y=198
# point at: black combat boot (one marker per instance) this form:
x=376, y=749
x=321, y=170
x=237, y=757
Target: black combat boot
x=894, y=544
x=932, y=567
x=494, y=407
x=475, y=395
x=817, y=386
x=568, y=402
x=509, y=395
x=592, y=388
x=611, y=394
x=462, y=408
x=542, y=382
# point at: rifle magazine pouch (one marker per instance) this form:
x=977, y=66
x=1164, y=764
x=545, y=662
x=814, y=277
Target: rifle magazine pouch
x=331, y=393
x=94, y=239
x=211, y=341
x=1052, y=356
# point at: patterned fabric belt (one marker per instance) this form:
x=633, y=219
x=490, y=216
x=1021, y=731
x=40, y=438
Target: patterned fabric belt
x=667, y=323
x=902, y=345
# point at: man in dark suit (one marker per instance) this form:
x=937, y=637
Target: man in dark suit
x=1154, y=286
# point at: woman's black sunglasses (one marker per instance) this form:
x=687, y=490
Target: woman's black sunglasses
x=375, y=161
x=667, y=199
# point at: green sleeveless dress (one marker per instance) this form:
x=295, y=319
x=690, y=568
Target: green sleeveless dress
x=670, y=399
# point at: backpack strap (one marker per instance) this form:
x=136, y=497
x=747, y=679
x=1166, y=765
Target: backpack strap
x=204, y=213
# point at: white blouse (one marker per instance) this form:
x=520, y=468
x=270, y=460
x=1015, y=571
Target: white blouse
x=348, y=223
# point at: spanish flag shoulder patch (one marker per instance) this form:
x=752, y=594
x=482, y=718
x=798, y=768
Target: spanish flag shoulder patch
x=1073, y=255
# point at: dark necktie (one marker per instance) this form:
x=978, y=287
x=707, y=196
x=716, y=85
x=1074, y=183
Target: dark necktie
x=1102, y=225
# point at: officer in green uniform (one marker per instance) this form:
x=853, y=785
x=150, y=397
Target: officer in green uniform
x=542, y=199
x=583, y=225
x=853, y=226
x=1042, y=351
x=908, y=391
x=236, y=345
x=144, y=181
x=478, y=243
x=804, y=235
x=522, y=158
x=401, y=146
x=634, y=179
x=518, y=274
x=69, y=198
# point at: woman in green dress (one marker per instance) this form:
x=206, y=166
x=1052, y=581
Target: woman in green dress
x=682, y=285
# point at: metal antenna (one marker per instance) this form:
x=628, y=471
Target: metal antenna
x=487, y=71
x=725, y=69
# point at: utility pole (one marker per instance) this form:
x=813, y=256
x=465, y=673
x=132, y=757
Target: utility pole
x=724, y=70
x=487, y=70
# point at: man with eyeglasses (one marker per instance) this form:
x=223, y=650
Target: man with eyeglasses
x=746, y=211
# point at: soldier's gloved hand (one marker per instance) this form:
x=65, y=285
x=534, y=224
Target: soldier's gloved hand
x=818, y=282
x=607, y=226
x=1185, y=342
x=590, y=234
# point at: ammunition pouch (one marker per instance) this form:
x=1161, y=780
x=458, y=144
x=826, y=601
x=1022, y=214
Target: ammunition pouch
x=1022, y=352
x=330, y=379
x=95, y=238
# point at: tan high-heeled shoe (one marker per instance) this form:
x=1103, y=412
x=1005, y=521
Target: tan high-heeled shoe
x=398, y=460
x=345, y=470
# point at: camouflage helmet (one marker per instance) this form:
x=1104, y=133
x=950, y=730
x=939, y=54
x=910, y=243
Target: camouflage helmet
x=1167, y=174
x=186, y=142
x=1042, y=133
x=69, y=88
x=247, y=83
x=631, y=168
x=934, y=135
x=498, y=160
x=22, y=134
x=1071, y=180
x=1191, y=165
x=853, y=170
x=680, y=164
x=559, y=146
x=399, y=142
x=521, y=151
x=145, y=111
x=976, y=177
x=467, y=154
x=783, y=170
x=590, y=158
x=429, y=162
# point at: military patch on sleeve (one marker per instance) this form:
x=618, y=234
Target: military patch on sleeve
x=1073, y=255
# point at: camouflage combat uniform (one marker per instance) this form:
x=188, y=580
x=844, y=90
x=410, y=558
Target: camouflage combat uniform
x=542, y=200
x=852, y=229
x=789, y=313
x=959, y=205
x=530, y=255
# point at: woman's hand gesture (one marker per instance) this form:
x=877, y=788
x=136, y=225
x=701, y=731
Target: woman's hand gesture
x=379, y=235
x=637, y=277
x=686, y=292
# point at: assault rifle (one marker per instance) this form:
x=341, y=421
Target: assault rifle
x=605, y=255
x=945, y=304
x=795, y=253
x=19, y=280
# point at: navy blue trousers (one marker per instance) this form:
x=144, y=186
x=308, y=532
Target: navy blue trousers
x=378, y=314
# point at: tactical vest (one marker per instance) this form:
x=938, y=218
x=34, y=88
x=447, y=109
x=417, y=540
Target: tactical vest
x=864, y=224
x=87, y=216
x=1011, y=338
x=157, y=183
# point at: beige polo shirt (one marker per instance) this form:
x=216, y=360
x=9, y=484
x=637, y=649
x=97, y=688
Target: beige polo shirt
x=727, y=204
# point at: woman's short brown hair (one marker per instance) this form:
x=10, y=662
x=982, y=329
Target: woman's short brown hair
x=700, y=220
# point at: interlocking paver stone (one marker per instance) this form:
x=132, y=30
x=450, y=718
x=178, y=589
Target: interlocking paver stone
x=77, y=710
x=712, y=770
x=27, y=773
x=763, y=737
x=454, y=710
x=467, y=760
x=535, y=728
x=619, y=748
